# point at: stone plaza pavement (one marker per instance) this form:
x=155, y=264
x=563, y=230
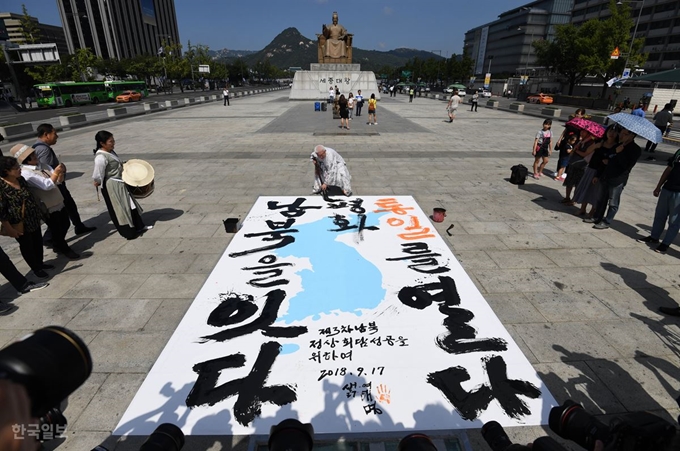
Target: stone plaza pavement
x=581, y=303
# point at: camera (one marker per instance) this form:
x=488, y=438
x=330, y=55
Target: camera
x=51, y=363
x=166, y=437
x=498, y=440
x=639, y=431
x=291, y=435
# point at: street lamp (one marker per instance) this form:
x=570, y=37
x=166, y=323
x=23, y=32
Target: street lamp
x=637, y=22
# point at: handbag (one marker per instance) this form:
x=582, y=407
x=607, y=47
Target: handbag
x=19, y=226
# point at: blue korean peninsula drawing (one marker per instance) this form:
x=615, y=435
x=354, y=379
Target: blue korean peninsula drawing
x=340, y=278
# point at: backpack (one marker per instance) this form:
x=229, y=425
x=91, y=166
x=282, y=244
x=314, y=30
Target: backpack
x=519, y=174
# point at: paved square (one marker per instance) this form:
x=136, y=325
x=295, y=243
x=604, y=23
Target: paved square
x=580, y=303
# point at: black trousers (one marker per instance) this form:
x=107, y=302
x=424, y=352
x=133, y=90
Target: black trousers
x=359, y=108
x=651, y=147
x=473, y=107
x=10, y=272
x=226, y=100
x=31, y=246
x=58, y=222
x=71, y=207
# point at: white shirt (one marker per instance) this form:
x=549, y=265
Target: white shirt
x=38, y=181
x=225, y=93
x=455, y=101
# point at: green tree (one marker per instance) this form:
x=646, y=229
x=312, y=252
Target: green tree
x=238, y=72
x=82, y=63
x=113, y=68
x=607, y=35
x=566, y=53
x=29, y=27
x=586, y=50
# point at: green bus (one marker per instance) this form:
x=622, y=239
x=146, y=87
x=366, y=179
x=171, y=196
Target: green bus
x=114, y=88
x=70, y=93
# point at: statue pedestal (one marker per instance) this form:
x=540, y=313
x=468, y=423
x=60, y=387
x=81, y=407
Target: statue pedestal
x=314, y=84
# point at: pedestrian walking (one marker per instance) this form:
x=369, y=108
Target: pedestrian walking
x=663, y=121
x=410, y=94
x=452, y=106
x=225, y=94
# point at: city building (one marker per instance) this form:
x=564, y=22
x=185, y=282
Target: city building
x=504, y=45
x=119, y=29
x=47, y=33
x=658, y=21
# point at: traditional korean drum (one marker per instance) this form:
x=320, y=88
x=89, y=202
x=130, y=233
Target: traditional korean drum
x=138, y=175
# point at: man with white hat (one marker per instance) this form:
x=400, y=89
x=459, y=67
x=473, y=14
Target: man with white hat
x=43, y=182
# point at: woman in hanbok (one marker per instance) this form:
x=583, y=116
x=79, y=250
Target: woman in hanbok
x=330, y=170
x=124, y=210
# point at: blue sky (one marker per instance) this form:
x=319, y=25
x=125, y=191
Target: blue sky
x=376, y=24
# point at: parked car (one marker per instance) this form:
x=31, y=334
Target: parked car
x=540, y=98
x=129, y=96
x=461, y=89
x=485, y=93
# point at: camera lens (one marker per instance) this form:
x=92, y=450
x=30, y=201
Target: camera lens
x=166, y=437
x=52, y=424
x=416, y=442
x=291, y=435
x=572, y=422
x=495, y=436
x=51, y=363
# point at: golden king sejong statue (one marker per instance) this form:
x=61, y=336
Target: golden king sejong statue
x=335, y=44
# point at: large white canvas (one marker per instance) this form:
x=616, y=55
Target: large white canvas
x=343, y=285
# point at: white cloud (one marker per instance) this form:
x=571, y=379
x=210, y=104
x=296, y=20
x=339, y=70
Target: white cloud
x=382, y=45
x=387, y=11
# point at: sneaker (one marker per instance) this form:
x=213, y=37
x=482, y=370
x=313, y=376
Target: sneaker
x=662, y=248
x=647, y=239
x=601, y=226
x=590, y=220
x=32, y=286
x=375, y=123
x=40, y=274
x=44, y=266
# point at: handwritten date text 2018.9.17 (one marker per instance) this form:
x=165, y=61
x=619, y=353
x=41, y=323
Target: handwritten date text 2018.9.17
x=359, y=372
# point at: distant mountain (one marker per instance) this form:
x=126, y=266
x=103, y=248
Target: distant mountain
x=226, y=53
x=291, y=49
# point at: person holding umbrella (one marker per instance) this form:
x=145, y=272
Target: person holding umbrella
x=620, y=163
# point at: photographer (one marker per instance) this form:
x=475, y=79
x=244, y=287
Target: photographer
x=15, y=410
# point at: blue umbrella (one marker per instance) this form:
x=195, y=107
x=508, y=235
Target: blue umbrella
x=638, y=125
